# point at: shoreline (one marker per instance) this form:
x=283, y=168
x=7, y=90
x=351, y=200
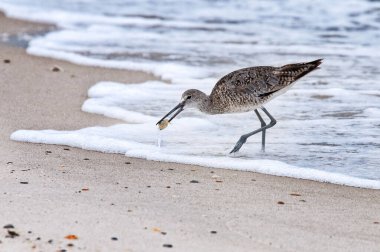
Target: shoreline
x=243, y=207
x=288, y=171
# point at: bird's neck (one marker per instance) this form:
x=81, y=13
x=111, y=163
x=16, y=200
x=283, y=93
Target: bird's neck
x=205, y=105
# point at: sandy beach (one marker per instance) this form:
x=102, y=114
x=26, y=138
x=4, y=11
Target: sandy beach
x=111, y=202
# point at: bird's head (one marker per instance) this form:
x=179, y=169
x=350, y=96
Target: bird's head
x=191, y=98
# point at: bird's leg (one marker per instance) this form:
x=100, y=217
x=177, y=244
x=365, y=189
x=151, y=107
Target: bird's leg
x=271, y=124
x=263, y=124
x=244, y=138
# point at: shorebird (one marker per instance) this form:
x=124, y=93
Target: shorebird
x=244, y=90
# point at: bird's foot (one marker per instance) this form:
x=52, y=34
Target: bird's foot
x=239, y=144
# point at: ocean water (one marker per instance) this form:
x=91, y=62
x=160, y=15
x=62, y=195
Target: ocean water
x=328, y=124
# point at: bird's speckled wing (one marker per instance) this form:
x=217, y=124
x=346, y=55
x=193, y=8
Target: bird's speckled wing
x=262, y=80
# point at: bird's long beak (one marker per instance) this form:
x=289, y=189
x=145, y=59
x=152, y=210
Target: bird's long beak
x=179, y=107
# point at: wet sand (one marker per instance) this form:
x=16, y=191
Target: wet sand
x=115, y=203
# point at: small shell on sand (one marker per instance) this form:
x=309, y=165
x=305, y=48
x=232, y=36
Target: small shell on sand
x=163, y=124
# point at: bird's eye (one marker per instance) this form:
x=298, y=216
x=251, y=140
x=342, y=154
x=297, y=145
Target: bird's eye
x=188, y=97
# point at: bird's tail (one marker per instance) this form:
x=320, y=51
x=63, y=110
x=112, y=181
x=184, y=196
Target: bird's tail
x=298, y=70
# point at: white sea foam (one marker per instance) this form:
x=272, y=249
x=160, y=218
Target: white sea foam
x=109, y=140
x=328, y=123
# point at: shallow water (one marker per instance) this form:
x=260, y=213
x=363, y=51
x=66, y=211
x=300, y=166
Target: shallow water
x=329, y=121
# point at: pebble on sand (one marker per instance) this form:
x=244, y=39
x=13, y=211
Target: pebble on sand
x=12, y=234
x=167, y=245
x=194, y=181
x=7, y=61
x=295, y=194
x=56, y=69
x=71, y=237
x=156, y=229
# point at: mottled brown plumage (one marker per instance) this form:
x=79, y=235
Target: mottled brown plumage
x=245, y=90
x=248, y=88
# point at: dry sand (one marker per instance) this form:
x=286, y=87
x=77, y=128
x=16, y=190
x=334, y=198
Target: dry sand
x=148, y=204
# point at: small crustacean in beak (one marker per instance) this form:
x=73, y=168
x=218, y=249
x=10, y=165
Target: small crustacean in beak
x=163, y=123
